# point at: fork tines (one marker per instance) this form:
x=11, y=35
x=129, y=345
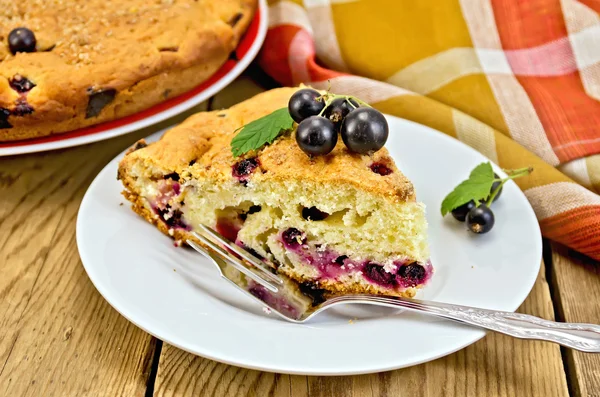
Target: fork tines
x=238, y=257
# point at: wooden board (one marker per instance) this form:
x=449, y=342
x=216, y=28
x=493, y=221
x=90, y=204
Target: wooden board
x=576, y=283
x=58, y=336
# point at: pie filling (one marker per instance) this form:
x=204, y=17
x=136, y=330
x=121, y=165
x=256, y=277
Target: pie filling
x=331, y=265
x=300, y=249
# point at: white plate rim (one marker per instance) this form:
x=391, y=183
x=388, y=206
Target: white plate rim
x=34, y=147
x=476, y=333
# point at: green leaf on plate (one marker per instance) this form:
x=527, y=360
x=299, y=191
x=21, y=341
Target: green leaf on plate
x=477, y=188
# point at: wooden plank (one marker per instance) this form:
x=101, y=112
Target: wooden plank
x=57, y=334
x=183, y=374
x=576, y=287
x=495, y=366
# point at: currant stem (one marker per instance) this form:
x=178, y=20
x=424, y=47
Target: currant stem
x=329, y=97
x=490, y=200
x=350, y=102
x=524, y=170
x=513, y=174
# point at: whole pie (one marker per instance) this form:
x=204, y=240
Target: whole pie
x=66, y=64
x=339, y=223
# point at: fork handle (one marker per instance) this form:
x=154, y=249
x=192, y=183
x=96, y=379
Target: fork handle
x=578, y=336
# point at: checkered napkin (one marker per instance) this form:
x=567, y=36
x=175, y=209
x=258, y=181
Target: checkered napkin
x=517, y=80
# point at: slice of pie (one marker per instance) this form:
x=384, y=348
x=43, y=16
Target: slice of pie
x=342, y=223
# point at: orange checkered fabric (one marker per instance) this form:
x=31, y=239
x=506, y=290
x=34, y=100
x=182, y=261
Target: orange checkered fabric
x=517, y=80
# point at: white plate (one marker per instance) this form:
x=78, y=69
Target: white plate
x=173, y=294
x=245, y=52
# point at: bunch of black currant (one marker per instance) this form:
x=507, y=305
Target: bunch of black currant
x=479, y=216
x=321, y=117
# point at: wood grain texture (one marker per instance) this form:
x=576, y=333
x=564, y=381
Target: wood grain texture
x=57, y=334
x=495, y=366
x=576, y=283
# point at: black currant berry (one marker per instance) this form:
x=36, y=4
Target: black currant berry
x=495, y=186
x=365, y=130
x=460, y=213
x=21, y=40
x=316, y=136
x=293, y=237
x=480, y=219
x=338, y=109
x=413, y=273
x=378, y=274
x=305, y=103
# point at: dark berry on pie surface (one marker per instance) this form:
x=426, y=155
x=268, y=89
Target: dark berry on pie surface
x=316, y=136
x=480, y=219
x=412, y=274
x=378, y=274
x=381, y=169
x=460, y=213
x=21, y=40
x=338, y=109
x=305, y=103
x=98, y=100
x=313, y=214
x=293, y=237
x=20, y=83
x=365, y=130
x=235, y=19
x=22, y=108
x=242, y=169
x=4, y=113
x=138, y=145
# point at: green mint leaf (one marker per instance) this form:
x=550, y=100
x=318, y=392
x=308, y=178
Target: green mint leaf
x=477, y=187
x=260, y=132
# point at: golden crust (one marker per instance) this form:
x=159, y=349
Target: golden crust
x=204, y=141
x=145, y=51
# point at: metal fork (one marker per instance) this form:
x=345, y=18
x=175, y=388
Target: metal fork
x=284, y=297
